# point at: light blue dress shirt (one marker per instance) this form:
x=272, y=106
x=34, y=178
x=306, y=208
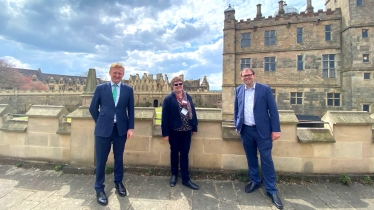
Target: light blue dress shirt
x=249, y=97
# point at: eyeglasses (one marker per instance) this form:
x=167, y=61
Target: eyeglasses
x=247, y=75
x=176, y=84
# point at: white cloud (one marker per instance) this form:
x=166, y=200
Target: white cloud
x=15, y=62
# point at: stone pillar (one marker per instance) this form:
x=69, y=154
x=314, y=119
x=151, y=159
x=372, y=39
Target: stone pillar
x=309, y=7
x=259, y=14
x=82, y=143
x=281, y=10
x=229, y=72
x=5, y=109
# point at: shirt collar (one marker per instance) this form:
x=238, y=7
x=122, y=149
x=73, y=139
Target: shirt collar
x=254, y=86
x=112, y=83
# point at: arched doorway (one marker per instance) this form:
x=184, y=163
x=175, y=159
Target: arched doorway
x=155, y=103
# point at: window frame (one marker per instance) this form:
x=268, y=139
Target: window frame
x=268, y=64
x=298, y=62
x=300, y=35
x=274, y=91
x=328, y=71
x=367, y=74
x=245, y=39
x=328, y=33
x=359, y=3
x=365, y=33
x=245, y=64
x=368, y=58
x=334, y=99
x=363, y=107
x=298, y=98
x=270, y=37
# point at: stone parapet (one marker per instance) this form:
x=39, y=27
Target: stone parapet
x=317, y=135
x=144, y=113
x=14, y=126
x=46, y=111
x=347, y=118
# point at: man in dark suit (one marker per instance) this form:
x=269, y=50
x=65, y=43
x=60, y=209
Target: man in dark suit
x=256, y=118
x=112, y=108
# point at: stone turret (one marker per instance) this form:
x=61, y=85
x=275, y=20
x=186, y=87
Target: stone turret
x=309, y=7
x=89, y=88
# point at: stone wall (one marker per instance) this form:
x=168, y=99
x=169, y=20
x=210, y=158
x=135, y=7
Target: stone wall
x=345, y=145
x=21, y=101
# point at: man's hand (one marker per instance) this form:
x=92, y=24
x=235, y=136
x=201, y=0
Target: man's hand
x=194, y=133
x=129, y=133
x=275, y=135
x=165, y=138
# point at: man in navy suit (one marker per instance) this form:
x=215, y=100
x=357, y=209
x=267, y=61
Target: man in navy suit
x=112, y=108
x=256, y=119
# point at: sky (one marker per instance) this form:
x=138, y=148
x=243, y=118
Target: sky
x=171, y=37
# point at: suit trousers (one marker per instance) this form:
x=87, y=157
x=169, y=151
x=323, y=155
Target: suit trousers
x=102, y=149
x=251, y=142
x=180, y=142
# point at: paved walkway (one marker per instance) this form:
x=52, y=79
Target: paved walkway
x=35, y=189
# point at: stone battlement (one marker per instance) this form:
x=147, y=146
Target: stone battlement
x=286, y=19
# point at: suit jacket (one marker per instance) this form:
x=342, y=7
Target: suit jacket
x=103, y=108
x=265, y=110
x=171, y=118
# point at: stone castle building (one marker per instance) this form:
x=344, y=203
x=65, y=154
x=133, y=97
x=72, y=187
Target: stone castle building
x=66, y=90
x=314, y=61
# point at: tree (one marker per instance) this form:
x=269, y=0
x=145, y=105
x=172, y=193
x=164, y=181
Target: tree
x=11, y=78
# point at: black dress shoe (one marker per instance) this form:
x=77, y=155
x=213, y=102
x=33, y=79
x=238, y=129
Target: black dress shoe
x=101, y=198
x=276, y=200
x=191, y=185
x=173, y=180
x=252, y=187
x=121, y=190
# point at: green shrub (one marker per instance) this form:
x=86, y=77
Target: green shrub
x=366, y=180
x=242, y=175
x=19, y=164
x=345, y=179
x=108, y=169
x=58, y=167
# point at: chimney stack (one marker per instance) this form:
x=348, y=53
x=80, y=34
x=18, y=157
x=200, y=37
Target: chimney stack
x=259, y=14
x=309, y=8
x=281, y=10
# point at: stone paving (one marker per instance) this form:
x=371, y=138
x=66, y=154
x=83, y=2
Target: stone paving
x=35, y=189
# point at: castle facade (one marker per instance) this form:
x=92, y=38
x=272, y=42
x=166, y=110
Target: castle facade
x=313, y=61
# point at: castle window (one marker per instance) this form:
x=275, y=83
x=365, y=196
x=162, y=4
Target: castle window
x=300, y=63
x=328, y=33
x=34, y=79
x=328, y=66
x=51, y=88
x=366, y=75
x=366, y=107
x=62, y=88
x=299, y=35
x=333, y=99
x=296, y=98
x=269, y=64
x=359, y=2
x=274, y=94
x=229, y=17
x=245, y=63
x=246, y=40
x=365, y=33
x=77, y=88
x=365, y=58
x=270, y=37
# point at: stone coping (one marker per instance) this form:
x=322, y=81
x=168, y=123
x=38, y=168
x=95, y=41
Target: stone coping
x=209, y=114
x=15, y=126
x=314, y=135
x=46, y=111
x=64, y=129
x=287, y=117
x=5, y=109
x=144, y=113
x=82, y=112
x=348, y=118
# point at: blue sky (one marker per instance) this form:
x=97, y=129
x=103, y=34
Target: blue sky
x=171, y=37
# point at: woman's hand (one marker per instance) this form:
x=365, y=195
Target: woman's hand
x=193, y=133
x=165, y=138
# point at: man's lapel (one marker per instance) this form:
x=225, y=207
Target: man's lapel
x=257, y=92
